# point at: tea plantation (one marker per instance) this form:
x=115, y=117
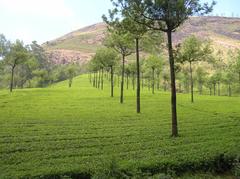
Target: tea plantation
x=82, y=131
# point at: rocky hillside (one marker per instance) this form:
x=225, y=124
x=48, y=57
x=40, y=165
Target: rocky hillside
x=81, y=44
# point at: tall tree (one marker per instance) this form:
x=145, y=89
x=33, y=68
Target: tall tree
x=166, y=16
x=121, y=41
x=137, y=31
x=18, y=54
x=193, y=50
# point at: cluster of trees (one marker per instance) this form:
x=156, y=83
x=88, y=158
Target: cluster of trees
x=130, y=20
x=28, y=66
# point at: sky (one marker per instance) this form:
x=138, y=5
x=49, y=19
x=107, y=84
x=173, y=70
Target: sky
x=44, y=20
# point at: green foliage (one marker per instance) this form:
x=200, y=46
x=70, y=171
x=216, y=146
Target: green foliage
x=18, y=54
x=4, y=46
x=194, y=50
x=120, y=40
x=154, y=62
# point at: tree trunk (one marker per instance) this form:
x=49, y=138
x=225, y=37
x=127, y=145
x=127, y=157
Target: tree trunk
x=118, y=80
x=102, y=80
x=12, y=75
x=94, y=77
x=158, y=81
x=219, y=89
x=138, y=76
x=112, y=85
x=142, y=81
x=122, y=82
x=91, y=78
x=191, y=81
x=229, y=90
x=149, y=84
x=70, y=83
x=127, y=80
x=173, y=86
x=153, y=80
x=210, y=90
x=99, y=78
x=165, y=85
x=214, y=89
x=200, y=88
x=239, y=77
x=133, y=81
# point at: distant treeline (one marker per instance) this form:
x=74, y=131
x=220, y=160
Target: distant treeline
x=27, y=66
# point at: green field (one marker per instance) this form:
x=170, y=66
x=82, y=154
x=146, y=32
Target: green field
x=60, y=131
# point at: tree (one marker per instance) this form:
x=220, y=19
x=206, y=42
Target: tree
x=201, y=78
x=228, y=78
x=4, y=46
x=165, y=16
x=137, y=31
x=132, y=69
x=71, y=72
x=107, y=58
x=18, y=54
x=237, y=65
x=154, y=63
x=193, y=50
x=121, y=41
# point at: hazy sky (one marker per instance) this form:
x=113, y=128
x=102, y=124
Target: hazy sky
x=44, y=20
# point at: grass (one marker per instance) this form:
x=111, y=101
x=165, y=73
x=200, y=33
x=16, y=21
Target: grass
x=60, y=131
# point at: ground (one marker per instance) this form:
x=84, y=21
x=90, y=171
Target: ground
x=59, y=131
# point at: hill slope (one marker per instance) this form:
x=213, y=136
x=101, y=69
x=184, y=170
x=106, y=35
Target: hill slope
x=81, y=44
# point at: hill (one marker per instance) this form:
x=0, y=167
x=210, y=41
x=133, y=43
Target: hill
x=81, y=44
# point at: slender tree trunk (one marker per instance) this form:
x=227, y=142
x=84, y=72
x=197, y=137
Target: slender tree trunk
x=142, y=81
x=165, y=85
x=214, y=89
x=127, y=80
x=91, y=78
x=229, y=90
x=102, y=80
x=219, y=89
x=99, y=78
x=12, y=76
x=94, y=79
x=210, y=90
x=191, y=81
x=70, y=83
x=138, y=76
x=173, y=86
x=239, y=77
x=149, y=84
x=133, y=81
x=153, y=80
x=158, y=81
x=112, y=85
x=122, y=82
x=118, y=80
